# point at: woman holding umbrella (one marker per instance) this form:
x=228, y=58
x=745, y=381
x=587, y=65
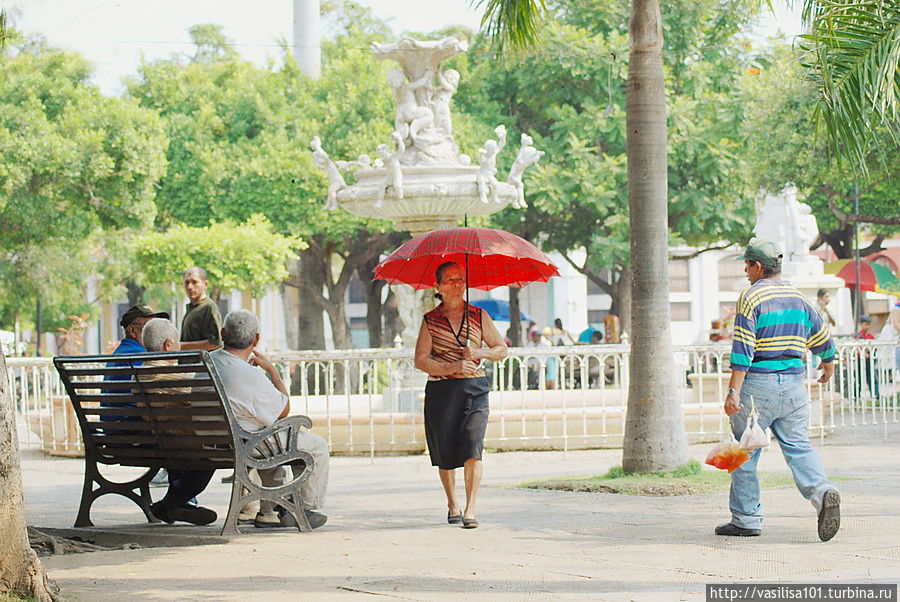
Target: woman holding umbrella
x=449, y=349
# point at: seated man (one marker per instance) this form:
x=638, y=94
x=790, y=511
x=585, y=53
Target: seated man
x=257, y=402
x=178, y=504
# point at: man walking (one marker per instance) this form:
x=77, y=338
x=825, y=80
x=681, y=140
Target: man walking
x=774, y=326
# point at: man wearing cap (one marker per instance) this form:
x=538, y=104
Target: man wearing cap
x=132, y=322
x=774, y=326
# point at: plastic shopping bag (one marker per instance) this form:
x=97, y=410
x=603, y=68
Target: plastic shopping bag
x=726, y=454
x=754, y=437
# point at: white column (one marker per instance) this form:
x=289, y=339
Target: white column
x=307, y=37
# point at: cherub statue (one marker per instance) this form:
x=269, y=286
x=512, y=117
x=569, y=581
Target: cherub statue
x=394, y=176
x=528, y=155
x=440, y=100
x=486, y=178
x=335, y=179
x=411, y=117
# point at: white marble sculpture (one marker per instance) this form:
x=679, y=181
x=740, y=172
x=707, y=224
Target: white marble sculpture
x=419, y=179
x=448, y=82
x=393, y=179
x=528, y=155
x=411, y=117
x=486, y=179
x=335, y=179
x=785, y=219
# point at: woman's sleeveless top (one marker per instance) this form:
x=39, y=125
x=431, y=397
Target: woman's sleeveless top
x=447, y=345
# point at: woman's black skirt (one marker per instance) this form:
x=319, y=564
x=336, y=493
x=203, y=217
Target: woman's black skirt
x=456, y=414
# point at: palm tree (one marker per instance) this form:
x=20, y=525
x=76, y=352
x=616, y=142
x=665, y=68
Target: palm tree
x=855, y=47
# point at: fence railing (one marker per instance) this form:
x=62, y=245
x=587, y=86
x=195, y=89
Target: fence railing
x=370, y=401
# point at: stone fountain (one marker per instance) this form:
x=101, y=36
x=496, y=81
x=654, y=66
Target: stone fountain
x=418, y=178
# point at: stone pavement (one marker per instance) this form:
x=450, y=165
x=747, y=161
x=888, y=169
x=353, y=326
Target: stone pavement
x=387, y=535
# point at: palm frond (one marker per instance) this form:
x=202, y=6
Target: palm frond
x=512, y=24
x=855, y=50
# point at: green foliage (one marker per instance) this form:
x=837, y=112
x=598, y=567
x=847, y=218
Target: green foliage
x=782, y=147
x=855, y=61
x=570, y=97
x=246, y=256
x=71, y=160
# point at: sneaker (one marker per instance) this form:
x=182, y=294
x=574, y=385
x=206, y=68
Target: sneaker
x=315, y=519
x=733, y=530
x=245, y=519
x=161, y=479
x=829, y=515
x=267, y=520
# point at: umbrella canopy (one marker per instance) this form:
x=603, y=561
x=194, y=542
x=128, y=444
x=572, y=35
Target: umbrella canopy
x=498, y=310
x=492, y=258
x=872, y=277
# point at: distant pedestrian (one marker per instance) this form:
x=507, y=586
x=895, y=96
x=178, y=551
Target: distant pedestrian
x=774, y=326
x=822, y=299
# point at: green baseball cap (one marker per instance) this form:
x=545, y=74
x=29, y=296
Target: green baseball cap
x=765, y=252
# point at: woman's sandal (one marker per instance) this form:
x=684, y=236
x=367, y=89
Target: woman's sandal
x=454, y=519
x=469, y=523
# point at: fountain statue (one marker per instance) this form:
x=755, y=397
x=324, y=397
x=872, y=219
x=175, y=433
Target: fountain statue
x=419, y=179
x=783, y=218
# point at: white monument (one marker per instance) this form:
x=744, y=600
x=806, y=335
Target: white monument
x=782, y=218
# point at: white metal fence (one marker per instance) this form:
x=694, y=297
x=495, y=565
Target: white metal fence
x=370, y=401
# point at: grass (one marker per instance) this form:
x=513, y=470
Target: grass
x=686, y=480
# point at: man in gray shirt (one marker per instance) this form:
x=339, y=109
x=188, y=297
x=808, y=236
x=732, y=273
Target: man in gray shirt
x=258, y=398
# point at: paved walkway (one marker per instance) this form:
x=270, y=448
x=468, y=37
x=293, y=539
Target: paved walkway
x=387, y=535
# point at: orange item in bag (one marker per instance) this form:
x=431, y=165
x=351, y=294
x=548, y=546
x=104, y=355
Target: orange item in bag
x=727, y=456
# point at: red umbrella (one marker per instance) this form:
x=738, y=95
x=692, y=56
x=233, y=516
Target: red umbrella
x=492, y=258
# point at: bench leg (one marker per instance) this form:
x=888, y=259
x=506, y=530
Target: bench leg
x=138, y=491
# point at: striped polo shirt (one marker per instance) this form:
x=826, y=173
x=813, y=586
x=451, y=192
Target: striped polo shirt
x=774, y=326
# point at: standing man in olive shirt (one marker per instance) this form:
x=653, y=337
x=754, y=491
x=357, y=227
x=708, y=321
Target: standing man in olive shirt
x=202, y=324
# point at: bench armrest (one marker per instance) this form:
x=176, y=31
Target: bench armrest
x=274, y=445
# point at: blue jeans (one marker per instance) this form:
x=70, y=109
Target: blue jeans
x=783, y=405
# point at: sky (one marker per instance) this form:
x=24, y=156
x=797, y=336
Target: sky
x=114, y=34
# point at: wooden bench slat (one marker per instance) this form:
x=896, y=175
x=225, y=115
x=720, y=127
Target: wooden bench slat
x=168, y=441
x=150, y=412
x=180, y=464
x=114, y=370
x=202, y=396
x=141, y=425
x=132, y=384
x=113, y=451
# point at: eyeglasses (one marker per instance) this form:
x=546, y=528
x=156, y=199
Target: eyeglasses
x=453, y=280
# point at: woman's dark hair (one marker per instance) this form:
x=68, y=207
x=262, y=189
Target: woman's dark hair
x=558, y=323
x=439, y=272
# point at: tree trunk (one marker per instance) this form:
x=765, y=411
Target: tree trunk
x=515, y=335
x=21, y=572
x=311, y=322
x=135, y=293
x=374, y=288
x=654, y=428
x=392, y=324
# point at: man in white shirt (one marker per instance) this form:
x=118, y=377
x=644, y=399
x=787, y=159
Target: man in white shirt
x=258, y=398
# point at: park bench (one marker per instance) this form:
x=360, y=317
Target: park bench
x=171, y=411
